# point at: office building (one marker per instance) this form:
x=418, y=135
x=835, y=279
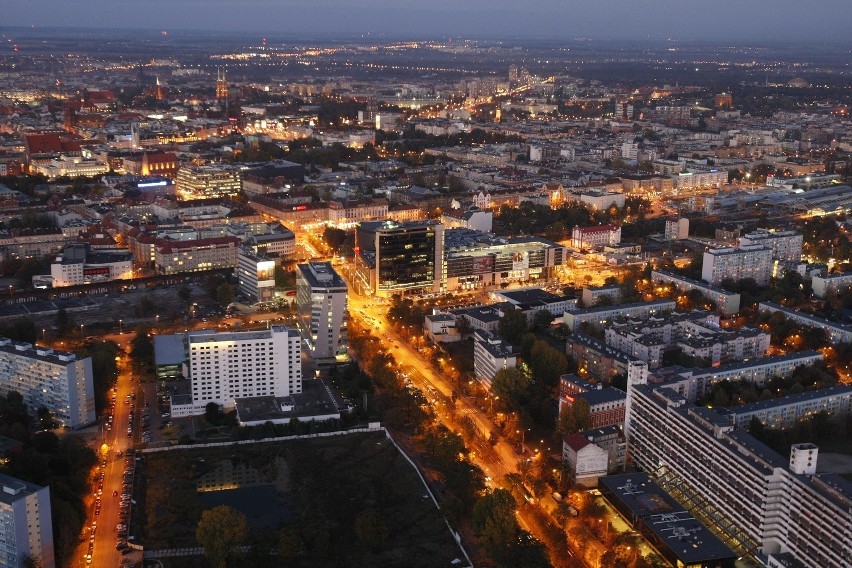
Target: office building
x=764, y=504
x=256, y=275
x=204, y=182
x=753, y=261
x=26, y=529
x=56, y=380
x=322, y=305
x=242, y=364
x=399, y=258
x=80, y=264
x=476, y=260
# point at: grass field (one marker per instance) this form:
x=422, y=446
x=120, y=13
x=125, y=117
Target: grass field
x=325, y=483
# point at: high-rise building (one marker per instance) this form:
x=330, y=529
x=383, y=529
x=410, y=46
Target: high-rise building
x=785, y=245
x=256, y=275
x=56, y=380
x=766, y=506
x=230, y=365
x=321, y=301
x=26, y=529
x=399, y=258
x=753, y=261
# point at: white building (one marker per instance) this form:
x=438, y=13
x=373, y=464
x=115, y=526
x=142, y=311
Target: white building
x=72, y=167
x=26, y=528
x=768, y=504
x=785, y=245
x=230, y=365
x=785, y=411
x=752, y=261
x=831, y=284
x=322, y=305
x=584, y=460
x=490, y=354
x=596, y=236
x=79, y=264
x=677, y=229
x=256, y=275
x=55, y=380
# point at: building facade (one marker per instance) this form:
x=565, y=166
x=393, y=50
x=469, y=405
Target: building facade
x=226, y=366
x=490, y=354
x=56, y=380
x=753, y=261
x=322, y=305
x=256, y=275
x=26, y=529
x=399, y=258
x=785, y=245
x=204, y=182
x=764, y=504
x=79, y=264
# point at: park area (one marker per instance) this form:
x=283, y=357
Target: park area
x=348, y=500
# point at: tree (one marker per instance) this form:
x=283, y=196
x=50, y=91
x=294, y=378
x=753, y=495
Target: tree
x=219, y=530
x=63, y=322
x=512, y=326
x=211, y=413
x=371, y=530
x=547, y=363
x=225, y=293
x=511, y=386
x=494, y=519
x=184, y=293
x=542, y=320
x=334, y=238
x=142, y=349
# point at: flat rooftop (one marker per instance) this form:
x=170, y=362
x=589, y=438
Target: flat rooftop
x=672, y=525
x=316, y=399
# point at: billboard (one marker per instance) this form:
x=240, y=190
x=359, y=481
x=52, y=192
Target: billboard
x=520, y=260
x=483, y=264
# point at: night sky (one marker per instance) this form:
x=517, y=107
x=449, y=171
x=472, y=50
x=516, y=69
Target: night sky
x=730, y=20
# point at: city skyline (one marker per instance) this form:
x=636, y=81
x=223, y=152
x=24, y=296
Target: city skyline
x=821, y=21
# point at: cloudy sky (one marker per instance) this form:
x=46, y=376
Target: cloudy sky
x=797, y=20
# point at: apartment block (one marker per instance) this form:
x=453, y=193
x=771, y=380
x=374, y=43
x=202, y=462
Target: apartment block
x=753, y=261
x=785, y=245
x=56, y=380
x=26, y=529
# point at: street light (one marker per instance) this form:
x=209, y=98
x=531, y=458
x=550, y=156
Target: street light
x=119, y=326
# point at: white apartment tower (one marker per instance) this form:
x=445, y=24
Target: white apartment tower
x=56, y=380
x=225, y=366
x=321, y=301
x=26, y=529
x=785, y=245
x=752, y=261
